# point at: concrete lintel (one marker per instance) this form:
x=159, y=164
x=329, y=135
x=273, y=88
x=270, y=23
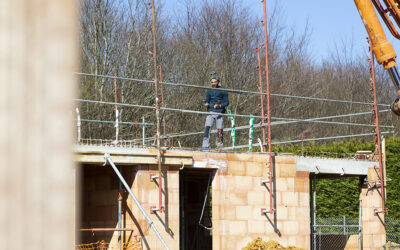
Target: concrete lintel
x=334, y=166
x=128, y=156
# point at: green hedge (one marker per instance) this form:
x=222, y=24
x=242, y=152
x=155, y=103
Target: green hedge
x=339, y=197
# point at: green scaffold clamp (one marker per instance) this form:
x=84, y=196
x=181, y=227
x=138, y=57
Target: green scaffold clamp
x=233, y=132
x=251, y=133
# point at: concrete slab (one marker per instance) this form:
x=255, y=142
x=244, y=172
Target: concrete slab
x=95, y=155
x=334, y=166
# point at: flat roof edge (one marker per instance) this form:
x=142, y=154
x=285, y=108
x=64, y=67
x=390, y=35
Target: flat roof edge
x=334, y=166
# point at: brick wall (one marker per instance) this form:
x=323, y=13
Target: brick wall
x=374, y=234
x=238, y=198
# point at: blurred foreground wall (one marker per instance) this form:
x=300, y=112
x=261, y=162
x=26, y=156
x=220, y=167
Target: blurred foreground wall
x=38, y=53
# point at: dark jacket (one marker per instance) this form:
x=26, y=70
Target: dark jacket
x=212, y=98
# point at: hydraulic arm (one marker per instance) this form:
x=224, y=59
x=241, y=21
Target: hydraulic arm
x=382, y=48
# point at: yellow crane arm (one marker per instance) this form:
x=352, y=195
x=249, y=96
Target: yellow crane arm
x=382, y=48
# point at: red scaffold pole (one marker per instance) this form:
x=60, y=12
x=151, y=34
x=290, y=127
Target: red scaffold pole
x=271, y=210
x=261, y=95
x=162, y=102
x=378, y=136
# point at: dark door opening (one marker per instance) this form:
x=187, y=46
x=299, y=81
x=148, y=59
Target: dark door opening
x=195, y=209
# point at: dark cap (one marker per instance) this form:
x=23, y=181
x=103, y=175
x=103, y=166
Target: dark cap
x=214, y=75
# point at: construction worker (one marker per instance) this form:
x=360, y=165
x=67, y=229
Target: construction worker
x=216, y=102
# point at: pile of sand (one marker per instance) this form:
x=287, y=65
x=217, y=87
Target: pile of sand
x=389, y=245
x=259, y=244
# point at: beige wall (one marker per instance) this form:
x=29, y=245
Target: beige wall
x=374, y=235
x=237, y=199
x=38, y=53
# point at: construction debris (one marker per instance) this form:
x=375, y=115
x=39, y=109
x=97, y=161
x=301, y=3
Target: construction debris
x=259, y=244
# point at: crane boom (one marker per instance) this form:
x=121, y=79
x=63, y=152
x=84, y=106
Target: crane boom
x=382, y=48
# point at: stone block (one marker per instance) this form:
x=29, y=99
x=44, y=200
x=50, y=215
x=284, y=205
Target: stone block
x=256, y=212
x=215, y=212
x=290, y=199
x=371, y=227
x=301, y=185
x=220, y=227
x=303, y=213
x=215, y=184
x=243, y=212
x=304, y=199
x=268, y=228
x=231, y=241
x=285, y=160
x=173, y=212
x=302, y=242
x=216, y=242
x=278, y=195
x=173, y=181
x=242, y=183
x=256, y=227
x=292, y=213
x=227, y=212
x=199, y=156
x=281, y=184
x=378, y=240
x=282, y=213
x=285, y=170
x=352, y=243
x=243, y=242
x=302, y=174
x=290, y=228
x=240, y=157
x=256, y=197
x=374, y=200
x=217, y=156
x=217, y=199
x=292, y=241
x=225, y=182
x=290, y=184
x=236, y=168
x=237, y=227
x=153, y=196
x=254, y=169
x=173, y=197
x=238, y=197
x=373, y=174
x=367, y=241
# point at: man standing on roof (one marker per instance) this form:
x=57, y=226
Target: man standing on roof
x=216, y=102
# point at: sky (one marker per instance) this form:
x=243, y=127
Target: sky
x=332, y=23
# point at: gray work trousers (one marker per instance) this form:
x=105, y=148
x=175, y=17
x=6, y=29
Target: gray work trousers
x=219, y=121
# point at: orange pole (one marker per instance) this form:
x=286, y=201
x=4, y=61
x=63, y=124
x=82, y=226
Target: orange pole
x=162, y=102
x=115, y=90
x=261, y=96
x=271, y=210
x=378, y=136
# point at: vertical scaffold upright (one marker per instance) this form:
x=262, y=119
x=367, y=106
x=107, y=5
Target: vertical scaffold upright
x=261, y=94
x=157, y=108
x=377, y=133
x=270, y=177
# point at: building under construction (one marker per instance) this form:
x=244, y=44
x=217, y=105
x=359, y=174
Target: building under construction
x=130, y=195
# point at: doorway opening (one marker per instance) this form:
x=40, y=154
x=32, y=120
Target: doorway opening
x=195, y=208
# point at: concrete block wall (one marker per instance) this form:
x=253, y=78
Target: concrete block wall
x=146, y=191
x=374, y=234
x=238, y=198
